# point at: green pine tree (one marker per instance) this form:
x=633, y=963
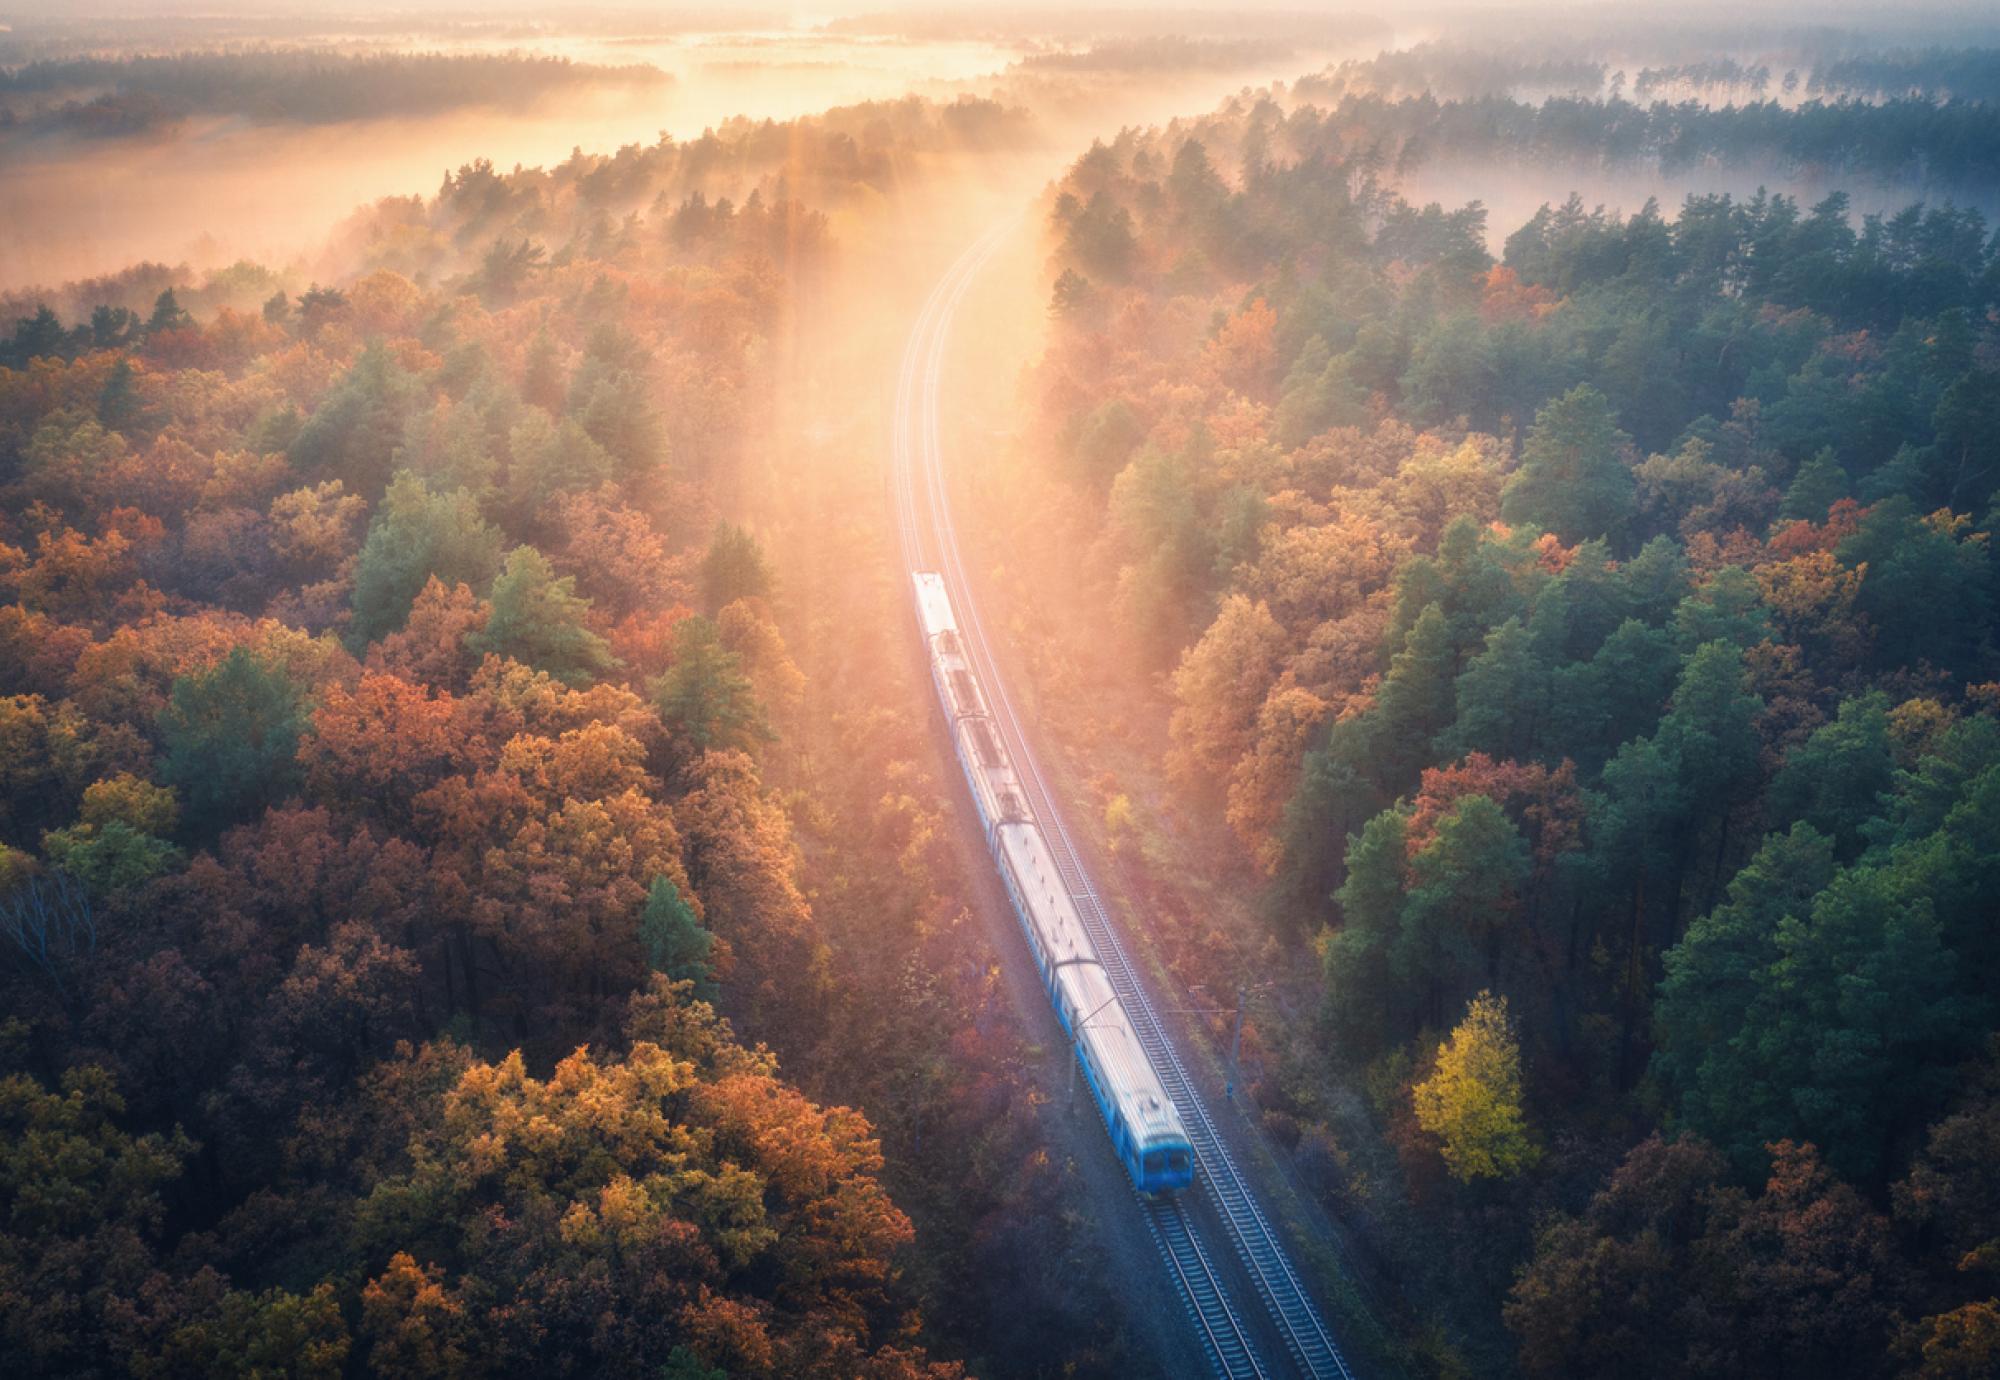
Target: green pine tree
x=1820, y=483
x=705, y=696
x=537, y=619
x=1415, y=702
x=230, y=739
x=168, y=314
x=1366, y=1007
x=417, y=534
x=1573, y=480
x=734, y=568
x=673, y=939
x=119, y=407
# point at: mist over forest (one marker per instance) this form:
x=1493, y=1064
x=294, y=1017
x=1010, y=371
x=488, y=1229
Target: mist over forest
x=1438, y=813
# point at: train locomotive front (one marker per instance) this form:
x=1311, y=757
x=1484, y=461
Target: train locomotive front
x=1144, y=1125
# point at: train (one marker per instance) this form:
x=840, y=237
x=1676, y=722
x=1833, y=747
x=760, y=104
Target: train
x=1144, y=1125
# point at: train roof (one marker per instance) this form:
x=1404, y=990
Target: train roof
x=933, y=603
x=1134, y=1082
x=1000, y=795
x=1129, y=1077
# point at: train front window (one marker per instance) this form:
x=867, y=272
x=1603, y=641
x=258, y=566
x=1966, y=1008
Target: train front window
x=1177, y=1161
x=1153, y=1162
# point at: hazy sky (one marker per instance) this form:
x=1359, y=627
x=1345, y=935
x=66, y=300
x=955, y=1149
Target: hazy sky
x=1842, y=12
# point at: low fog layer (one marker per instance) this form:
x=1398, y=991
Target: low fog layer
x=207, y=190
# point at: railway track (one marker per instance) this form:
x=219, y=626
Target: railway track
x=1232, y=1346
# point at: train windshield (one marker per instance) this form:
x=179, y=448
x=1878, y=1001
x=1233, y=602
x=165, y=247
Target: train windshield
x=1177, y=1161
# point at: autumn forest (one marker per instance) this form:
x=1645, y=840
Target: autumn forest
x=1472, y=536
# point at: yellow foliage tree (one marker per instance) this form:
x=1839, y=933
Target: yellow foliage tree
x=1266, y=776
x=1218, y=688
x=126, y=799
x=1472, y=1103
x=1960, y=1345
x=1812, y=597
x=1119, y=820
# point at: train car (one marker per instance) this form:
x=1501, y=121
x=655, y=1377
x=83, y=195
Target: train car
x=982, y=756
x=1144, y=1125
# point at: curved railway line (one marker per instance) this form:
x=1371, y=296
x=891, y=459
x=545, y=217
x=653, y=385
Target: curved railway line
x=930, y=542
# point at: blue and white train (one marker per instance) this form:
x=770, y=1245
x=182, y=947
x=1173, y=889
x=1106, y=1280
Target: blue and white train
x=1145, y=1126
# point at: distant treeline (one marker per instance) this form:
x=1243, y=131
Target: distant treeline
x=1935, y=143
x=114, y=96
x=825, y=157
x=1450, y=72
x=109, y=34
x=132, y=288
x=1971, y=74
x=744, y=177
x=1459, y=71
x=1717, y=74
